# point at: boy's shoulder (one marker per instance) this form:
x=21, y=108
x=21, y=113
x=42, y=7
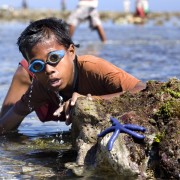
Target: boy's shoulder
x=93, y=63
x=89, y=59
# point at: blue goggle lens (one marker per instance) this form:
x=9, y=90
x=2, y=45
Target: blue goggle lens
x=53, y=59
x=37, y=66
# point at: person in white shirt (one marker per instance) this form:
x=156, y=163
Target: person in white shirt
x=146, y=6
x=86, y=10
x=126, y=4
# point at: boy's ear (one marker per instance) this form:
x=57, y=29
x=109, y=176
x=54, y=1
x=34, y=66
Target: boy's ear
x=72, y=51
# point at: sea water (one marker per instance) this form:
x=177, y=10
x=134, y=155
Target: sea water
x=148, y=52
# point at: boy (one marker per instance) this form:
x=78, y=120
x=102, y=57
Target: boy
x=53, y=77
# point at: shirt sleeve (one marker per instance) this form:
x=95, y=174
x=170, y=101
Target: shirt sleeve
x=119, y=79
x=114, y=78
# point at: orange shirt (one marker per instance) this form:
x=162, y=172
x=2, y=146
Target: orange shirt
x=95, y=76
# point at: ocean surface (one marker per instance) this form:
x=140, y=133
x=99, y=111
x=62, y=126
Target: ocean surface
x=148, y=52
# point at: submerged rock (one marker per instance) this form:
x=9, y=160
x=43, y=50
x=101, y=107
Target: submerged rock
x=157, y=108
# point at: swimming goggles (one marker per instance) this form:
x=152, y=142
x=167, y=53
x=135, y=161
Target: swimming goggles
x=54, y=58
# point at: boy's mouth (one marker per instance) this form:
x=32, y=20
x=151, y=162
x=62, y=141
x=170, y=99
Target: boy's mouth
x=55, y=82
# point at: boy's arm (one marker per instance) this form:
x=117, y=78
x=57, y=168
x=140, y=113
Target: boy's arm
x=137, y=88
x=19, y=85
x=10, y=121
x=66, y=107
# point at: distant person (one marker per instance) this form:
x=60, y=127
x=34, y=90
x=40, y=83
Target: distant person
x=126, y=4
x=24, y=4
x=142, y=8
x=63, y=5
x=86, y=10
x=146, y=7
x=52, y=76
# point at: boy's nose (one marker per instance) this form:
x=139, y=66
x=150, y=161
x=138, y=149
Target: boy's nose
x=49, y=69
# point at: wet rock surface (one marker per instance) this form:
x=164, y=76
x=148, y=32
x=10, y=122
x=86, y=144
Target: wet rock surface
x=157, y=108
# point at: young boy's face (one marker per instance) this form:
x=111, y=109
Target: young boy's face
x=58, y=76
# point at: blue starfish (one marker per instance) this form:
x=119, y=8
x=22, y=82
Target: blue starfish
x=118, y=128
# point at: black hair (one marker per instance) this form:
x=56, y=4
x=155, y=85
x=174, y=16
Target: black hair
x=43, y=29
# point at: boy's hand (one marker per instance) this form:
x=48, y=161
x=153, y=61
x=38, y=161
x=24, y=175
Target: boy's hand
x=67, y=107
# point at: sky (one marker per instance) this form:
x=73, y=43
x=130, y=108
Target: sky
x=111, y=5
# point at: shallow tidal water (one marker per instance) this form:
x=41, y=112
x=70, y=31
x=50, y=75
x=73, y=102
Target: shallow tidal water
x=39, y=150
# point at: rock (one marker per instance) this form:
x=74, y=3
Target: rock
x=157, y=108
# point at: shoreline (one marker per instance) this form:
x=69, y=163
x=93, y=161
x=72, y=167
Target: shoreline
x=115, y=17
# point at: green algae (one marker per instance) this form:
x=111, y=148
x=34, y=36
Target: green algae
x=87, y=109
x=168, y=95
x=169, y=109
x=165, y=110
x=173, y=93
x=159, y=136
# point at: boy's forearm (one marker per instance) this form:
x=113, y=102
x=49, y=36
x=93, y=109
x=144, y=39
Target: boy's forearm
x=10, y=121
x=5, y=109
x=139, y=87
